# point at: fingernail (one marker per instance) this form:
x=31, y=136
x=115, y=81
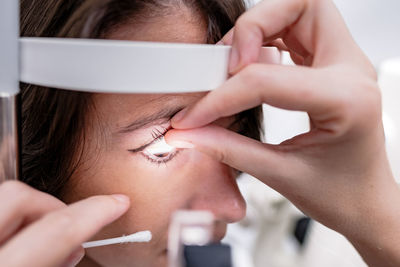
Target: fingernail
x=180, y=115
x=75, y=258
x=234, y=60
x=121, y=198
x=181, y=144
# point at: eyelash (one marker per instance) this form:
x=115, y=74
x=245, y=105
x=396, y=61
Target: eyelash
x=157, y=133
x=158, y=136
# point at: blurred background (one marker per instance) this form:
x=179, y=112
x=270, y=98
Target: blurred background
x=275, y=233
x=375, y=25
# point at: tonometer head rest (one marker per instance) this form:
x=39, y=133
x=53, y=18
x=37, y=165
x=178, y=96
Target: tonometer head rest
x=110, y=66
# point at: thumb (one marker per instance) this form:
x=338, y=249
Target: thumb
x=264, y=161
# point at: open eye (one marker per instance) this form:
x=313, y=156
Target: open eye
x=159, y=151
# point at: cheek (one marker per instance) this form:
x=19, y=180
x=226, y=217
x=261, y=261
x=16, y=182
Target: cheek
x=156, y=191
x=159, y=189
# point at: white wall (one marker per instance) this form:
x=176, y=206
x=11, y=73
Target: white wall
x=375, y=25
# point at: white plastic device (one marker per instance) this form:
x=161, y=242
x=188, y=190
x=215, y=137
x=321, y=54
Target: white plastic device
x=188, y=227
x=111, y=66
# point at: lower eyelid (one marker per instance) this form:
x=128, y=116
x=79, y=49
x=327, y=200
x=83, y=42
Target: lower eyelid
x=154, y=159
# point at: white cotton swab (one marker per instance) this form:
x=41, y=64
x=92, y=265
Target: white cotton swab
x=144, y=236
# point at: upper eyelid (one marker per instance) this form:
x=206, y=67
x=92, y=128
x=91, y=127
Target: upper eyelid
x=155, y=136
x=163, y=116
x=156, y=133
x=139, y=149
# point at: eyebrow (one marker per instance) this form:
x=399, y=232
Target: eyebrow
x=165, y=113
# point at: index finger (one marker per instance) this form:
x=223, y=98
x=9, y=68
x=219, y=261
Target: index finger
x=61, y=232
x=255, y=85
x=311, y=28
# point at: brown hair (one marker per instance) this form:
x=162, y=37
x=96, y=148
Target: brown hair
x=53, y=120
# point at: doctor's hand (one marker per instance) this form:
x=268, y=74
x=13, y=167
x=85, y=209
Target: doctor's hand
x=38, y=230
x=338, y=172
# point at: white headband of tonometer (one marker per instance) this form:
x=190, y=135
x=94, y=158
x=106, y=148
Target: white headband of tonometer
x=109, y=66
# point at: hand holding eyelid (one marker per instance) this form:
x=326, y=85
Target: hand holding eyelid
x=338, y=172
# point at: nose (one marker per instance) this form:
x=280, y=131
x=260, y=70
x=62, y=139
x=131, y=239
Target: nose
x=217, y=191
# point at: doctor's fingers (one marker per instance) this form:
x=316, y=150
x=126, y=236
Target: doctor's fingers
x=266, y=162
x=334, y=97
x=20, y=205
x=313, y=29
x=51, y=240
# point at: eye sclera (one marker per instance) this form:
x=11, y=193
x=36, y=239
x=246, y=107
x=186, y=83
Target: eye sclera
x=159, y=151
x=160, y=146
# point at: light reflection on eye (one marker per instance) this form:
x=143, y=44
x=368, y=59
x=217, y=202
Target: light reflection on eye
x=159, y=151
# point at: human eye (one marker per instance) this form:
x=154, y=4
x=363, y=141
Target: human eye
x=159, y=151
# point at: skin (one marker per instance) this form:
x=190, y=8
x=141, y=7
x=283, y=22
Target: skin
x=339, y=173
x=33, y=222
x=190, y=180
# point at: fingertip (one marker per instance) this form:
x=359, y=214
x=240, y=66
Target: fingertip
x=120, y=207
x=175, y=139
x=246, y=46
x=228, y=37
x=234, y=60
x=201, y=139
x=107, y=207
x=188, y=118
x=75, y=258
x=122, y=199
x=182, y=144
x=179, y=117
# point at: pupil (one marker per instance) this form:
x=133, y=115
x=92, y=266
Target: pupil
x=161, y=155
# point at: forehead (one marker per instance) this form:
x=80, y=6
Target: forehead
x=178, y=25
x=182, y=25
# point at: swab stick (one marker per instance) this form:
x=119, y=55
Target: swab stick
x=144, y=236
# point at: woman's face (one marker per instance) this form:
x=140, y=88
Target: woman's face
x=116, y=160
